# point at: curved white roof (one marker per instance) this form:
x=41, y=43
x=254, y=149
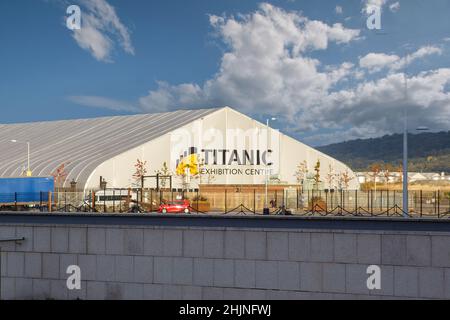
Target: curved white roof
x=85, y=143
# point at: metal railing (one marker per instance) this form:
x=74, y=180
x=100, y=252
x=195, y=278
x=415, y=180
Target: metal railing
x=251, y=201
x=5, y=240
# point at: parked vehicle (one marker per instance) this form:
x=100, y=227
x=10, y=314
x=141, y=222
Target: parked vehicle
x=112, y=198
x=176, y=206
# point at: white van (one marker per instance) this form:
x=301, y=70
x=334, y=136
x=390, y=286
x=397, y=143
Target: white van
x=113, y=198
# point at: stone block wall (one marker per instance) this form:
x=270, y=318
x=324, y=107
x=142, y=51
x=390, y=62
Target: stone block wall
x=155, y=262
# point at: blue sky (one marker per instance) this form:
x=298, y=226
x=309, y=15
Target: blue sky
x=314, y=64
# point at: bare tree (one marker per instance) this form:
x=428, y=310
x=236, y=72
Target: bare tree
x=141, y=170
x=165, y=172
x=344, y=179
x=400, y=171
x=387, y=171
x=375, y=169
x=60, y=174
x=330, y=177
x=201, y=172
x=317, y=175
x=301, y=172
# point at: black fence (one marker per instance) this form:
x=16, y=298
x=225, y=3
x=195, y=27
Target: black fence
x=427, y=204
x=21, y=199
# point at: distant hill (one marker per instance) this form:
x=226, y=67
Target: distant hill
x=427, y=151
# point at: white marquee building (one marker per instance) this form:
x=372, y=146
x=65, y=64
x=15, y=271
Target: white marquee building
x=232, y=148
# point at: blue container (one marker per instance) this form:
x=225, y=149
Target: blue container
x=27, y=189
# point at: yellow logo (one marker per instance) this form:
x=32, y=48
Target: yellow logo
x=188, y=162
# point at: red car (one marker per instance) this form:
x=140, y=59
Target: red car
x=177, y=206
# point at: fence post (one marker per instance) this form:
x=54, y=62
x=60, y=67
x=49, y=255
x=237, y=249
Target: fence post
x=421, y=204
x=15, y=201
x=120, y=202
x=151, y=200
x=276, y=198
x=395, y=201
x=309, y=201
x=93, y=201
x=448, y=202
x=114, y=200
x=387, y=202
x=439, y=203
x=197, y=200
x=104, y=200
x=371, y=202
x=368, y=201
x=356, y=201
x=435, y=201
x=254, y=201
x=381, y=200
x=332, y=198
x=225, y=200
x=50, y=201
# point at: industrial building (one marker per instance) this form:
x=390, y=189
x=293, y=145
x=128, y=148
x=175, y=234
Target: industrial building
x=213, y=147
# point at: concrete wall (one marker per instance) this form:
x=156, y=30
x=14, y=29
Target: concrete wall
x=204, y=262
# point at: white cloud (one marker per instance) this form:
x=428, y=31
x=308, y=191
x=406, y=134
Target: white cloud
x=367, y=4
x=375, y=62
x=102, y=102
x=101, y=28
x=394, y=7
x=268, y=69
x=425, y=51
x=375, y=108
x=339, y=10
x=378, y=3
x=167, y=96
x=266, y=64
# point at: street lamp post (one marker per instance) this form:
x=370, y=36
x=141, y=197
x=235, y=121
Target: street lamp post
x=29, y=173
x=405, y=146
x=266, y=210
x=405, y=169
